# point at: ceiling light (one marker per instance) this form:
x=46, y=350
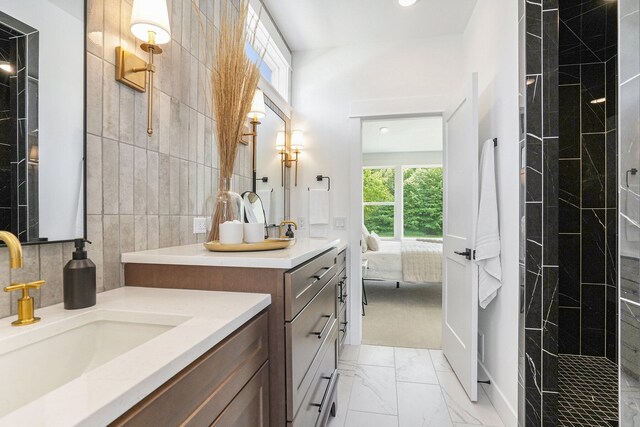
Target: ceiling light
x=530, y=81
x=599, y=101
x=6, y=67
x=384, y=129
x=406, y=3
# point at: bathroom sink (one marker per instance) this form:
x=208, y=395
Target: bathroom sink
x=36, y=361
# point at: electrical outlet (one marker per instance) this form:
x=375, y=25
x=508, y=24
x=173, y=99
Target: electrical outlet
x=302, y=222
x=340, y=222
x=199, y=225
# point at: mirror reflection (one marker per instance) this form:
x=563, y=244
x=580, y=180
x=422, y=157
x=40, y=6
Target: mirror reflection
x=42, y=119
x=270, y=186
x=253, y=208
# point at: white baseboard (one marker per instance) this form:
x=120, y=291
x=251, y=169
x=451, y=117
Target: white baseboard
x=507, y=413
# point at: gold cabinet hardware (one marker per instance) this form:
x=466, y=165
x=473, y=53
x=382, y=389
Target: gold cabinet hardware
x=25, y=304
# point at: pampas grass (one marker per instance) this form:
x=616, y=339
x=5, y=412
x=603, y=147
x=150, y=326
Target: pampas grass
x=234, y=79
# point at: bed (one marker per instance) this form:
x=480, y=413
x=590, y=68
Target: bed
x=408, y=261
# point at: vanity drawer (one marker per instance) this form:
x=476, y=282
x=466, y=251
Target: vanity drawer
x=342, y=325
x=318, y=400
x=199, y=393
x=305, y=336
x=304, y=282
x=341, y=260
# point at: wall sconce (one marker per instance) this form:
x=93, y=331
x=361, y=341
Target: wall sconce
x=149, y=23
x=6, y=67
x=257, y=112
x=297, y=143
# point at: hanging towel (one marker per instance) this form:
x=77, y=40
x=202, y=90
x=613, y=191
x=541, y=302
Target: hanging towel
x=265, y=197
x=488, y=232
x=632, y=214
x=318, y=213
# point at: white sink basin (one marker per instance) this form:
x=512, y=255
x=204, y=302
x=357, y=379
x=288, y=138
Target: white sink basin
x=37, y=361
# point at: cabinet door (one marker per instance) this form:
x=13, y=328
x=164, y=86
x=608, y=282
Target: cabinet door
x=250, y=408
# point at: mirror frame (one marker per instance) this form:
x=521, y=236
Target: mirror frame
x=84, y=144
x=287, y=131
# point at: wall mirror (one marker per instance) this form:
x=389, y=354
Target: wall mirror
x=42, y=119
x=274, y=192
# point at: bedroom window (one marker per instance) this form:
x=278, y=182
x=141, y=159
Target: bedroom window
x=422, y=202
x=379, y=200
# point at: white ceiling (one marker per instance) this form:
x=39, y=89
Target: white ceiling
x=404, y=135
x=320, y=24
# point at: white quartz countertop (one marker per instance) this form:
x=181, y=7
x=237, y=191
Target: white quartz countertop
x=303, y=250
x=100, y=395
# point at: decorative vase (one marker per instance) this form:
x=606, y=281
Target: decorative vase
x=228, y=208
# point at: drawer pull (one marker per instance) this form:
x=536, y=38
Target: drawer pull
x=320, y=405
x=324, y=328
x=319, y=276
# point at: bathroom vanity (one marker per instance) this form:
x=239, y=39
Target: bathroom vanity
x=158, y=356
x=304, y=320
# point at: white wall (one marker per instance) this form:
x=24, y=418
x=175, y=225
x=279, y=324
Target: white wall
x=415, y=158
x=491, y=49
x=329, y=84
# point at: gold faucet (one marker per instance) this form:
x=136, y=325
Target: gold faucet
x=25, y=304
x=295, y=225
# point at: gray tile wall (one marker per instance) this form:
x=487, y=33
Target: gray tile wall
x=142, y=192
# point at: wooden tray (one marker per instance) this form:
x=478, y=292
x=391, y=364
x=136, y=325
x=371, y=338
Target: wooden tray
x=267, y=245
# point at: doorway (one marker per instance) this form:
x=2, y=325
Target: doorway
x=402, y=231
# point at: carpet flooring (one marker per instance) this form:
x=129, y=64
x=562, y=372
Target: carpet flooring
x=407, y=317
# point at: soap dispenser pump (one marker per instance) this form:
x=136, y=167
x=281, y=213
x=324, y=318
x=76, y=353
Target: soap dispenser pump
x=79, y=279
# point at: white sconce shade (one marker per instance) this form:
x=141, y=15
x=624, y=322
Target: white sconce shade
x=257, y=106
x=297, y=140
x=280, y=141
x=150, y=15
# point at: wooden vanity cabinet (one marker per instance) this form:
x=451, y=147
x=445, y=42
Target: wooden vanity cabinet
x=341, y=300
x=226, y=386
x=297, y=295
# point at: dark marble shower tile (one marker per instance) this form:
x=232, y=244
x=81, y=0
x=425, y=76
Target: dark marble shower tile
x=612, y=168
x=550, y=407
x=550, y=329
x=534, y=106
x=533, y=28
x=549, y=4
x=569, y=330
x=569, y=196
x=533, y=300
x=593, y=171
x=569, y=44
x=594, y=30
x=593, y=319
x=593, y=88
x=611, y=83
x=612, y=247
x=5, y=218
x=534, y=222
x=533, y=259
x=593, y=246
x=569, y=75
x=612, y=30
x=533, y=376
x=33, y=63
x=550, y=72
x=534, y=169
x=569, y=121
x=533, y=406
x=569, y=269
x=612, y=324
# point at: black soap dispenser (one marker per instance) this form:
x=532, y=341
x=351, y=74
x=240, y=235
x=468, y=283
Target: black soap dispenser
x=289, y=232
x=79, y=279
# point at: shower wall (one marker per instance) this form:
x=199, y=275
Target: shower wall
x=587, y=225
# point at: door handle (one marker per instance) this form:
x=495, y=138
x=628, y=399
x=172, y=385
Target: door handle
x=466, y=253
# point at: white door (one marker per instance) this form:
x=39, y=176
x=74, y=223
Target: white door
x=460, y=275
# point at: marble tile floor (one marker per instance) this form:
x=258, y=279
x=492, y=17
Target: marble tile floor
x=405, y=387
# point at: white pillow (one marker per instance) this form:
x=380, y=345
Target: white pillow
x=373, y=242
x=364, y=245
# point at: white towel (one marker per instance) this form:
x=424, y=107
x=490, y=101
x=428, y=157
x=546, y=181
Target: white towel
x=265, y=197
x=318, y=213
x=488, y=231
x=632, y=213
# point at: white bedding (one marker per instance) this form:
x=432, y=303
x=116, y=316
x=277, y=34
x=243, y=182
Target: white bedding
x=422, y=262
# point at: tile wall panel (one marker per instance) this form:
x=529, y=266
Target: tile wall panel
x=143, y=192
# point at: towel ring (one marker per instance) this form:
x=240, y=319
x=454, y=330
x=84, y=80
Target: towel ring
x=319, y=178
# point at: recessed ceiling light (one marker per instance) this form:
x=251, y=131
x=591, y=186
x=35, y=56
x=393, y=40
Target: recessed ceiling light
x=599, y=101
x=406, y=3
x=384, y=129
x=6, y=66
